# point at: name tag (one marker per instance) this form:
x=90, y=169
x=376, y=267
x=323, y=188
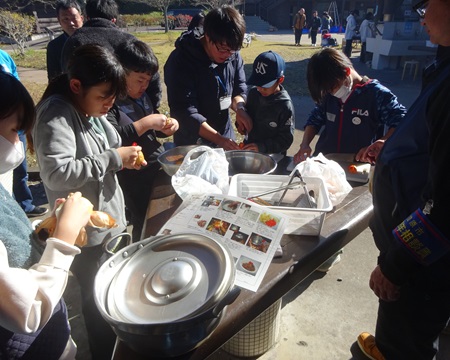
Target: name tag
x=225, y=102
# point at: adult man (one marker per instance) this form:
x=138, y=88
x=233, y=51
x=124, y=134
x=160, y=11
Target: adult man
x=68, y=13
x=101, y=29
x=314, y=27
x=350, y=32
x=412, y=279
x=298, y=25
x=20, y=189
x=205, y=77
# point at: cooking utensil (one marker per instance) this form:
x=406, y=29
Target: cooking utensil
x=285, y=187
x=166, y=290
x=305, y=189
x=171, y=167
x=285, y=191
x=249, y=162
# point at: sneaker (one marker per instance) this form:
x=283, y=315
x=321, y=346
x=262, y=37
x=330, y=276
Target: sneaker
x=366, y=343
x=333, y=260
x=37, y=211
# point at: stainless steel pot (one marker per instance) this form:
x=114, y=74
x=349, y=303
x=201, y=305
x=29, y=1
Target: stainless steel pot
x=165, y=295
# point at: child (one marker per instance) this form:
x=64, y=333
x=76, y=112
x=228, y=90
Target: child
x=136, y=122
x=353, y=109
x=32, y=313
x=270, y=107
x=79, y=150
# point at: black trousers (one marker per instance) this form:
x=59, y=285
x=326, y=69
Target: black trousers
x=408, y=329
x=348, y=48
x=298, y=35
x=313, y=36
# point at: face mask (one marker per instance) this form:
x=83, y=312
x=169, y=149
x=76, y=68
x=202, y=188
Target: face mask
x=344, y=91
x=11, y=155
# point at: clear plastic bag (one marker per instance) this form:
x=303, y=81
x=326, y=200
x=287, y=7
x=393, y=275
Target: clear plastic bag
x=205, y=174
x=332, y=174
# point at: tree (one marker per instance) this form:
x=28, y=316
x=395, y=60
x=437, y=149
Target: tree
x=20, y=5
x=162, y=5
x=18, y=27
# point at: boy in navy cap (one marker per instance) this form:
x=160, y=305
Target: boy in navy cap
x=270, y=107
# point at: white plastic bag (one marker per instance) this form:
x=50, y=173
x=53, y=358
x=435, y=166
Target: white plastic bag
x=332, y=174
x=206, y=174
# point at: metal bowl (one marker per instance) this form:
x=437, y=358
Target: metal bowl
x=249, y=162
x=171, y=167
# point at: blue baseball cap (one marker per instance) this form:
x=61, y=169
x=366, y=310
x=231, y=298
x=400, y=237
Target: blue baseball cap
x=268, y=67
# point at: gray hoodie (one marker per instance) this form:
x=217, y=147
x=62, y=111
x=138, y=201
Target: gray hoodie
x=72, y=157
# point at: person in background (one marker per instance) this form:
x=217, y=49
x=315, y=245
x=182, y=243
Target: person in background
x=135, y=121
x=205, y=77
x=69, y=15
x=354, y=111
x=326, y=23
x=350, y=32
x=197, y=21
x=410, y=222
x=32, y=311
x=314, y=27
x=101, y=29
x=269, y=106
x=20, y=189
x=298, y=24
x=79, y=150
x=365, y=30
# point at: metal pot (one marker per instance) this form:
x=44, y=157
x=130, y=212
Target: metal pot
x=165, y=295
x=249, y=162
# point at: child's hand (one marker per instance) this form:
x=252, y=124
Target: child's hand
x=251, y=147
x=171, y=127
x=129, y=155
x=156, y=121
x=72, y=217
x=244, y=121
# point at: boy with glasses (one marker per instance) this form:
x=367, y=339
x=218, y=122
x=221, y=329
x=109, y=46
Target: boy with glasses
x=205, y=78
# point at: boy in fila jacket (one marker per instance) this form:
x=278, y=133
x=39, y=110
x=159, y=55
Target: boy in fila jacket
x=353, y=109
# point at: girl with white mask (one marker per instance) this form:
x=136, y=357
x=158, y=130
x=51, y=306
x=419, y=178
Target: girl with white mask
x=32, y=313
x=353, y=110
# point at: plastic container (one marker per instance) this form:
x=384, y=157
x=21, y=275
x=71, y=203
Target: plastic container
x=302, y=220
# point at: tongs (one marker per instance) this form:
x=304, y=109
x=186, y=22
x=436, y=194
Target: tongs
x=300, y=183
x=285, y=188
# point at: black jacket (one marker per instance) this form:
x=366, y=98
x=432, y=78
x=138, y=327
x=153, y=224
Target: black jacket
x=411, y=169
x=194, y=89
x=105, y=33
x=54, y=54
x=273, y=121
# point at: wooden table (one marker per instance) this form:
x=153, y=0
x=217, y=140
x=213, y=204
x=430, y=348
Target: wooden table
x=301, y=256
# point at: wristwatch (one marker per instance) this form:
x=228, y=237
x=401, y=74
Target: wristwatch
x=240, y=106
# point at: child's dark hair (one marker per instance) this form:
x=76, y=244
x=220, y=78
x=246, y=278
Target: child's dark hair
x=326, y=71
x=15, y=98
x=92, y=65
x=105, y=9
x=135, y=55
x=225, y=25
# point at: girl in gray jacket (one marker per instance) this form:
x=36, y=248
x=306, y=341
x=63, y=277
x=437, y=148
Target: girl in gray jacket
x=79, y=150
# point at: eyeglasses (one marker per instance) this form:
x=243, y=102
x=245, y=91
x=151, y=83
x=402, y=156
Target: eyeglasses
x=421, y=7
x=225, y=51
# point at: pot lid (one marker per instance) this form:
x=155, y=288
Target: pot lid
x=171, y=278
